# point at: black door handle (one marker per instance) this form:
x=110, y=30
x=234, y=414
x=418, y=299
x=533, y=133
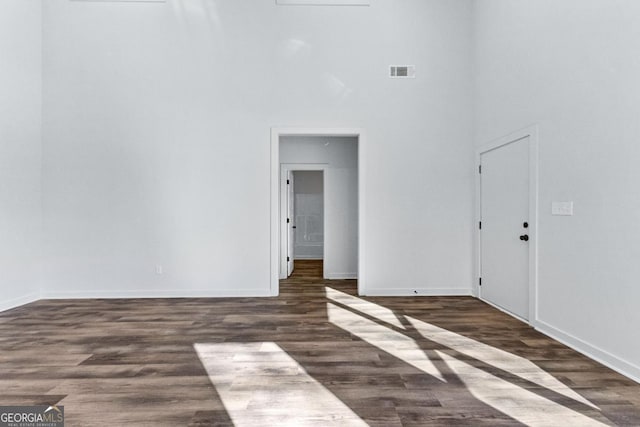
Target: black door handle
x=524, y=237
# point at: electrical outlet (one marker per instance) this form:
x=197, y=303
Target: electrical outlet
x=158, y=269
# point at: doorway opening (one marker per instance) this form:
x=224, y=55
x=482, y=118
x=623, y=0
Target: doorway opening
x=303, y=203
x=316, y=200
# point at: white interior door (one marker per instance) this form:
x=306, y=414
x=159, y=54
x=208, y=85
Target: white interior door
x=291, y=229
x=504, y=192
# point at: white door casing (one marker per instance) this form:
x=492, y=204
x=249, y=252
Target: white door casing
x=277, y=229
x=291, y=229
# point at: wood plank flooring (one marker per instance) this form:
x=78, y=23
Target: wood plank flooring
x=315, y=355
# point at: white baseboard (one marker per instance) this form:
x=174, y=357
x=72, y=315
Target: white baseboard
x=625, y=368
x=206, y=293
x=431, y=292
x=17, y=302
x=309, y=257
x=507, y=312
x=341, y=276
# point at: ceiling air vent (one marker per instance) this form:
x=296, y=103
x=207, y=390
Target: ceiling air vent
x=402, y=71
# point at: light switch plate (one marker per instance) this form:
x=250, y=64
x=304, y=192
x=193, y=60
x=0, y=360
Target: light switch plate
x=562, y=208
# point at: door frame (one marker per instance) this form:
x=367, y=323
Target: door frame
x=285, y=168
x=276, y=133
x=532, y=133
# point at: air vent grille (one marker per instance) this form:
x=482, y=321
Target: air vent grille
x=402, y=71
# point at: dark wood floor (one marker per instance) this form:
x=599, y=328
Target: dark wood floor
x=316, y=355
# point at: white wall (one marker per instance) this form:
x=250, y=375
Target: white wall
x=309, y=214
x=152, y=110
x=572, y=66
x=341, y=196
x=20, y=151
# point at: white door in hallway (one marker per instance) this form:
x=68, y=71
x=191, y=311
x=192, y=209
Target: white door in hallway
x=504, y=236
x=291, y=229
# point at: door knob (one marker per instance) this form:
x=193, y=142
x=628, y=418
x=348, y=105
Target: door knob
x=524, y=237
x=525, y=225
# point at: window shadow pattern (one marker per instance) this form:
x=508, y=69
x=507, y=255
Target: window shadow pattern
x=415, y=361
x=316, y=355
